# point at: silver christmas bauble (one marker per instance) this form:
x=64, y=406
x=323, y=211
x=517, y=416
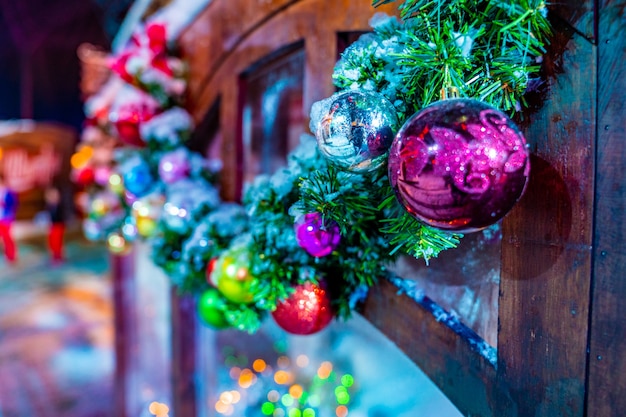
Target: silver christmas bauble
x=355, y=129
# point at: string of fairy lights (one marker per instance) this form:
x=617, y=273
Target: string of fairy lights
x=289, y=388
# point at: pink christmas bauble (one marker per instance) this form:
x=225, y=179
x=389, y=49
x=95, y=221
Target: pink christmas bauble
x=102, y=175
x=459, y=165
x=306, y=311
x=174, y=166
x=316, y=236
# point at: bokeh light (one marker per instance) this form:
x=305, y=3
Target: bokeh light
x=287, y=400
x=324, y=370
x=246, y=378
x=283, y=362
x=225, y=409
x=158, y=409
x=347, y=380
x=267, y=408
x=342, y=395
x=236, y=396
x=82, y=157
x=341, y=411
x=295, y=391
x=234, y=372
x=282, y=377
x=230, y=397
x=302, y=361
x=288, y=392
x=273, y=396
x=259, y=365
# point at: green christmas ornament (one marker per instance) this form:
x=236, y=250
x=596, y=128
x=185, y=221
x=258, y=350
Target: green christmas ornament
x=211, y=309
x=232, y=276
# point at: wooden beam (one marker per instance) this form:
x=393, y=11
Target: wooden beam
x=125, y=324
x=184, y=345
x=546, y=253
x=457, y=360
x=607, y=359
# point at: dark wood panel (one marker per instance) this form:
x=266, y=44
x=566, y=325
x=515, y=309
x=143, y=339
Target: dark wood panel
x=232, y=157
x=125, y=324
x=459, y=362
x=607, y=368
x=546, y=252
x=465, y=281
x=183, y=324
x=578, y=14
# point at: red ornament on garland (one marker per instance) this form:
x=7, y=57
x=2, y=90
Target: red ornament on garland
x=306, y=311
x=209, y=269
x=459, y=165
x=84, y=176
x=129, y=118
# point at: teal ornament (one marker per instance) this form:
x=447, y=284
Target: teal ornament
x=138, y=179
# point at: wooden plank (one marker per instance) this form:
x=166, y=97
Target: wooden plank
x=230, y=128
x=125, y=325
x=457, y=360
x=546, y=253
x=578, y=14
x=607, y=366
x=183, y=324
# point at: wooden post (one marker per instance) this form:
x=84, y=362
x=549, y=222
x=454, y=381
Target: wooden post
x=122, y=275
x=607, y=361
x=546, y=256
x=184, y=366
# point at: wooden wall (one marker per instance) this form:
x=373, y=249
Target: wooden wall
x=606, y=393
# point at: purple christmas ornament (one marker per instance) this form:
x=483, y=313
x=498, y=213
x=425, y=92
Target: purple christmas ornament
x=459, y=165
x=174, y=166
x=315, y=237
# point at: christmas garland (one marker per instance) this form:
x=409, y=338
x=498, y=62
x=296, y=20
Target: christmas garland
x=392, y=168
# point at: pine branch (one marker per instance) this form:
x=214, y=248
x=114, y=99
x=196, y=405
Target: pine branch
x=418, y=240
x=487, y=51
x=243, y=317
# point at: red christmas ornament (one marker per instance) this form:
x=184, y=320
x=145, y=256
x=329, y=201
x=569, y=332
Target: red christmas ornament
x=84, y=176
x=209, y=269
x=128, y=120
x=157, y=39
x=306, y=311
x=118, y=66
